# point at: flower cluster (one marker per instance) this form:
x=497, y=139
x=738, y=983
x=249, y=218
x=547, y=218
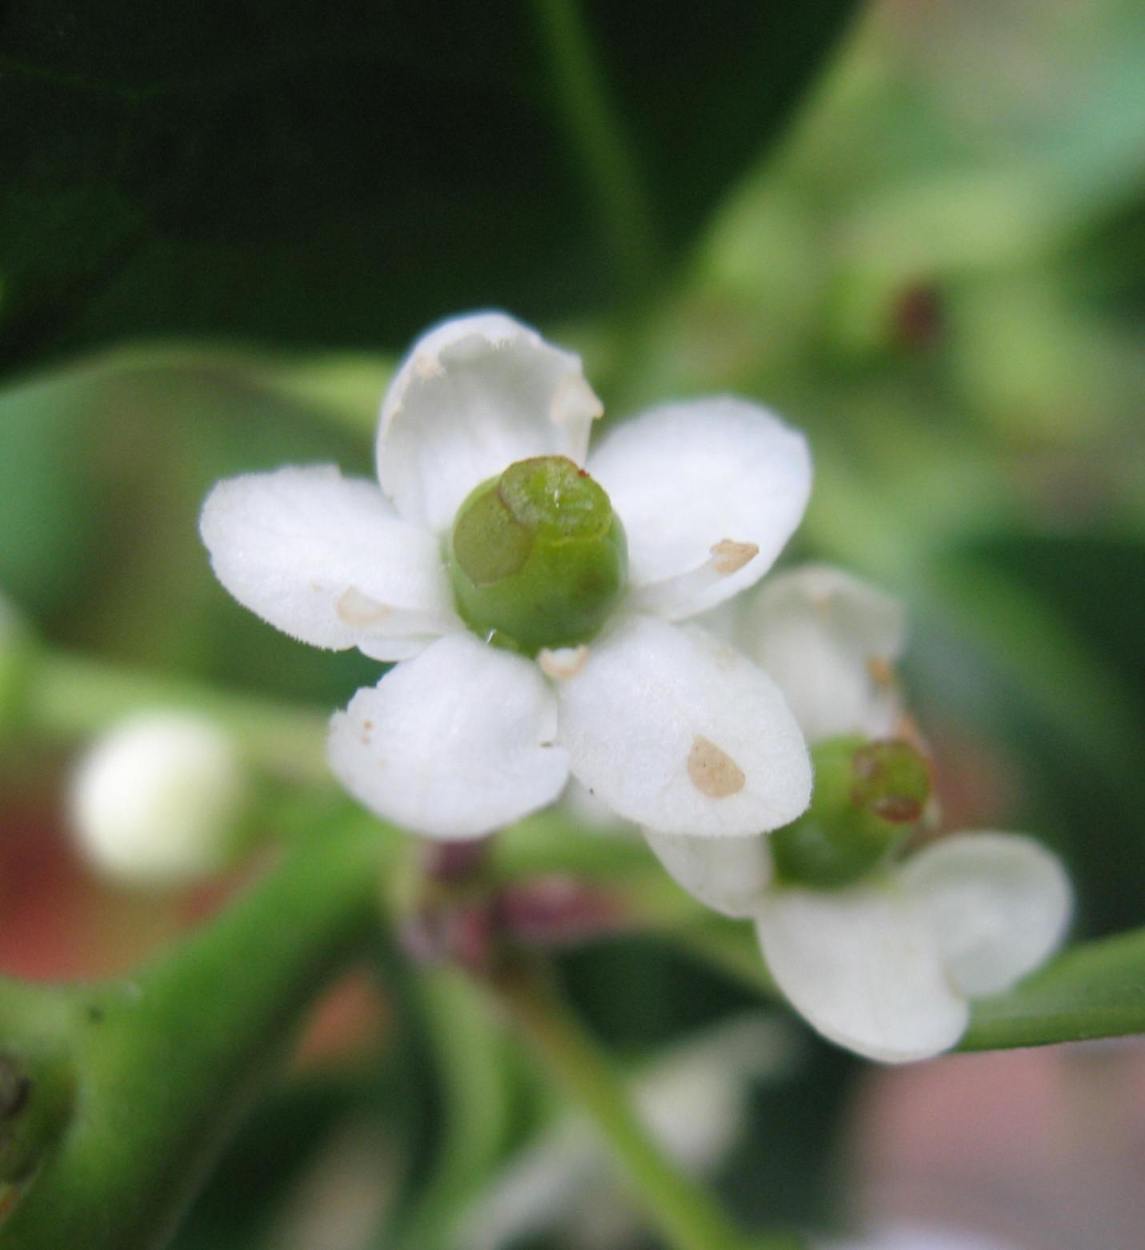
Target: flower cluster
x=887, y=960
x=539, y=602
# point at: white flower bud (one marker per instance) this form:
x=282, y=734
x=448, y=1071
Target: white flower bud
x=158, y=800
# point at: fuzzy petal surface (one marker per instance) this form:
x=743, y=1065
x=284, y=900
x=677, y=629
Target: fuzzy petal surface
x=709, y=493
x=862, y=966
x=325, y=559
x=729, y=875
x=999, y=905
x=474, y=395
x=829, y=641
x=682, y=734
x=455, y=743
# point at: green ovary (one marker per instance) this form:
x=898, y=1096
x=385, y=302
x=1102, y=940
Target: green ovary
x=868, y=797
x=537, y=557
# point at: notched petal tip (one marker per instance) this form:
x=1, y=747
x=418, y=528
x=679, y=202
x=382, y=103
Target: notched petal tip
x=474, y=395
x=574, y=400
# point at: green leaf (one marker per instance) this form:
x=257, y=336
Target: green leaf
x=1093, y=990
x=103, y=468
x=346, y=176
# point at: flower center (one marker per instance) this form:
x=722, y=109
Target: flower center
x=537, y=556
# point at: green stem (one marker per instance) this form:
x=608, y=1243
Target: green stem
x=470, y=1060
x=73, y=696
x=684, y=1211
x=165, y=1064
x=597, y=134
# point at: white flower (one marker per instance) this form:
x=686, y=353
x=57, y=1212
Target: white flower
x=693, y=1101
x=157, y=800
x=830, y=642
x=665, y=724
x=886, y=966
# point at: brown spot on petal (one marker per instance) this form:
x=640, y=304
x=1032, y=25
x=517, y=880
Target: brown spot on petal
x=713, y=771
x=729, y=556
x=358, y=610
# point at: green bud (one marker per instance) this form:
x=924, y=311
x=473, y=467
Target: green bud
x=537, y=556
x=867, y=797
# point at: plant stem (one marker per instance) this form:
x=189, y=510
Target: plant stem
x=684, y=1211
x=166, y=1063
x=469, y=1054
x=73, y=695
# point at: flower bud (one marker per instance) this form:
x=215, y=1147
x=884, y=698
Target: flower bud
x=867, y=797
x=537, y=556
x=159, y=800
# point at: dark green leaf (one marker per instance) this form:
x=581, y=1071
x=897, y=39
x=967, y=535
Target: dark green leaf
x=345, y=174
x=1094, y=990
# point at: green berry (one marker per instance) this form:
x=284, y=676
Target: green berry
x=537, y=556
x=867, y=797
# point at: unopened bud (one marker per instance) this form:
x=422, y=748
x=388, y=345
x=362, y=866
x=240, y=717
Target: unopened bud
x=867, y=797
x=160, y=800
x=537, y=556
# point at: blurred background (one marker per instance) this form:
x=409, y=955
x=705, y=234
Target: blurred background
x=915, y=227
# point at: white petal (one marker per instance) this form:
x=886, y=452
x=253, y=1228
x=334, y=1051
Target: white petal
x=682, y=734
x=999, y=905
x=474, y=395
x=697, y=486
x=862, y=967
x=730, y=875
x=454, y=743
x=325, y=559
x=829, y=641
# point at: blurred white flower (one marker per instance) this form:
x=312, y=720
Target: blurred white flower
x=158, y=800
x=693, y=1100
x=663, y=723
x=885, y=966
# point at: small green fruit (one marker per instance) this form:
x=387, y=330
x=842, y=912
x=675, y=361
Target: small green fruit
x=537, y=556
x=867, y=797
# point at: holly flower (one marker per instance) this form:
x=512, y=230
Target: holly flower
x=535, y=600
x=881, y=953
